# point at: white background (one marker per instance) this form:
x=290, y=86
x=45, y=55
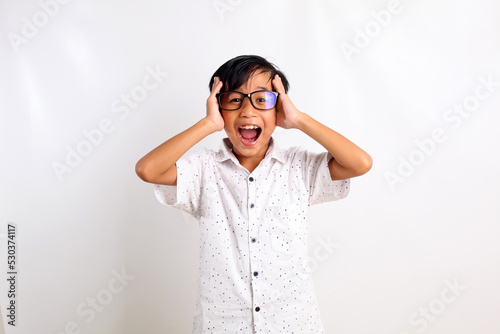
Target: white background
x=397, y=247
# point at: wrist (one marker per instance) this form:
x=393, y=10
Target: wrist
x=208, y=126
x=301, y=121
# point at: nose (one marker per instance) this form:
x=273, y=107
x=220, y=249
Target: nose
x=247, y=109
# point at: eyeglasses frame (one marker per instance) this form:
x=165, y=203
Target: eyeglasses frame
x=249, y=95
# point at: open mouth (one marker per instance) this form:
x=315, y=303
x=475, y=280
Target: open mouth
x=249, y=134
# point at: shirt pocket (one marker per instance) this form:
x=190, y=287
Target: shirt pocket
x=287, y=229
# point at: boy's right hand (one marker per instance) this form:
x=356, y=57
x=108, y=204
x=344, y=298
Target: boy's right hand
x=214, y=116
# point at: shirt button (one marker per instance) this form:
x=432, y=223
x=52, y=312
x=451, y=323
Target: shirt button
x=257, y=309
x=250, y=179
x=254, y=240
x=251, y=206
x=255, y=273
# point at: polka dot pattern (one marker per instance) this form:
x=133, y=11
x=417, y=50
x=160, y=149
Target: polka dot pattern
x=253, y=268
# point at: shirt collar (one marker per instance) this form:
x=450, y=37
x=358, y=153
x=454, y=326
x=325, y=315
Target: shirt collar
x=273, y=151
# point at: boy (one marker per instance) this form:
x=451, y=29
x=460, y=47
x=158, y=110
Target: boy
x=251, y=199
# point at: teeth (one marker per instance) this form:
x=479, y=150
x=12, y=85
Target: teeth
x=249, y=127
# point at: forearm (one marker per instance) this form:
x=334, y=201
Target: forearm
x=352, y=160
x=163, y=158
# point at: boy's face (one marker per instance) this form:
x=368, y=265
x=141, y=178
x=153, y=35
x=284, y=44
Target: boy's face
x=238, y=124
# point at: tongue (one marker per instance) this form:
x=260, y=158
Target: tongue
x=248, y=133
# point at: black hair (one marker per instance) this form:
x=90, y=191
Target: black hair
x=237, y=71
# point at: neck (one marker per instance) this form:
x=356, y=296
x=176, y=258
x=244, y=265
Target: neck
x=251, y=162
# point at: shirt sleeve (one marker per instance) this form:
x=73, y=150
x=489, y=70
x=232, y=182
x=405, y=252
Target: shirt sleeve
x=187, y=193
x=317, y=176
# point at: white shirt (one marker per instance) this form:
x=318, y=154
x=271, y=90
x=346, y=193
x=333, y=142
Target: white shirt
x=254, y=274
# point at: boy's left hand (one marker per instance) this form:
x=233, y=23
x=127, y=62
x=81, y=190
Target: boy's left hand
x=287, y=115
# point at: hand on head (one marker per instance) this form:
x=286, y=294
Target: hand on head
x=287, y=115
x=213, y=114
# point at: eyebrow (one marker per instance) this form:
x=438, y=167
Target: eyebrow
x=258, y=88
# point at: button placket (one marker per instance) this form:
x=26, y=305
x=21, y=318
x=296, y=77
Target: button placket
x=253, y=245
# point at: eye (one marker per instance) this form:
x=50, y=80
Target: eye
x=234, y=97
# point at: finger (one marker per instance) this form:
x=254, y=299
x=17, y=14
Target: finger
x=278, y=84
x=216, y=86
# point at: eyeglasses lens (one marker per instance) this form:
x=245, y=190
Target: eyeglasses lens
x=263, y=100
x=231, y=100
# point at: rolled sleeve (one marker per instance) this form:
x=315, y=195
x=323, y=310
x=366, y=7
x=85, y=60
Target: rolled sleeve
x=322, y=187
x=186, y=194
x=166, y=195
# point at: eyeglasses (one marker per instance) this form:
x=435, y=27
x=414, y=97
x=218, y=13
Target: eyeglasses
x=261, y=99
